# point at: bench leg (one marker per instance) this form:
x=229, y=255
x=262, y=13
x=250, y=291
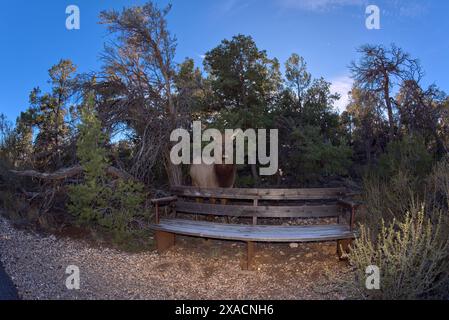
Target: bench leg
x=164, y=241
x=250, y=256
x=343, y=248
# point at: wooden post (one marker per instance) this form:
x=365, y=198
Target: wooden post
x=250, y=256
x=164, y=241
x=157, y=213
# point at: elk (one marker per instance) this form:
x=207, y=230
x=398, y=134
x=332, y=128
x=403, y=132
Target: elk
x=214, y=175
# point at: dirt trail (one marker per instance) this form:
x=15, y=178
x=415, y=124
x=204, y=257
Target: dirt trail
x=194, y=269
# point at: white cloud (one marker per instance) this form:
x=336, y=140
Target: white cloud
x=229, y=6
x=318, y=5
x=342, y=85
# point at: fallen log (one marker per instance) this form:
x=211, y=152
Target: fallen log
x=70, y=172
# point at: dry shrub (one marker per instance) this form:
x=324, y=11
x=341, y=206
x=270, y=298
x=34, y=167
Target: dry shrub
x=438, y=186
x=388, y=199
x=412, y=256
x=405, y=232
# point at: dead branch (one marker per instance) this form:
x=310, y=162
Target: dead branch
x=66, y=173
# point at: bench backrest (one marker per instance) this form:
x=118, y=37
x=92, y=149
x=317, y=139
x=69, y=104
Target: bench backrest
x=277, y=203
x=261, y=194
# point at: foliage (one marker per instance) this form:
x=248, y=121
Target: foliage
x=98, y=200
x=313, y=158
x=419, y=240
x=398, y=181
x=313, y=147
x=437, y=186
x=243, y=80
x=49, y=113
x=297, y=76
x=138, y=92
x=393, y=127
x=408, y=154
x=412, y=255
x=378, y=70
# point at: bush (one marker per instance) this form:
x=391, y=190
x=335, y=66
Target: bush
x=398, y=184
x=412, y=256
x=408, y=155
x=386, y=199
x=392, y=197
x=312, y=158
x=112, y=204
x=437, y=186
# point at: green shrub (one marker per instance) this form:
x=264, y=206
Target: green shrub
x=412, y=256
x=312, y=157
x=99, y=200
x=244, y=181
x=408, y=155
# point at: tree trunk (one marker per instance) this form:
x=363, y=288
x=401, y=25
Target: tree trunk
x=174, y=172
x=389, y=109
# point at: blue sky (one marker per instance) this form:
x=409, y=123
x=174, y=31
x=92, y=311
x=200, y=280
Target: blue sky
x=326, y=32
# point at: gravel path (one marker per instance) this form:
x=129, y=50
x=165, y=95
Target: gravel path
x=194, y=269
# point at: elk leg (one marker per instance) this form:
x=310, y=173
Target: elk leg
x=210, y=217
x=198, y=200
x=225, y=202
x=343, y=247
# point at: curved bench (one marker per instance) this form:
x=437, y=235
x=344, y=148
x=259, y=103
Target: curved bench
x=257, y=204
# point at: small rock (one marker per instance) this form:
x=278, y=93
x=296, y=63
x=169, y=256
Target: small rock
x=294, y=245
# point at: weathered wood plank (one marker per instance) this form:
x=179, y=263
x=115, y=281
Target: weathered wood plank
x=304, y=211
x=255, y=233
x=246, y=227
x=261, y=194
x=164, y=200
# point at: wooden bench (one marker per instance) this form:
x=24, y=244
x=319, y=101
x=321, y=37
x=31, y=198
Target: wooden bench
x=253, y=205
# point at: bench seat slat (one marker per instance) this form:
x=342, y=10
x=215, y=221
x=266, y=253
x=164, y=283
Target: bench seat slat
x=259, y=233
x=304, y=211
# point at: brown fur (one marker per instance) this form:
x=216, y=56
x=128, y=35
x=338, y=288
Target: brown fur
x=225, y=175
x=203, y=176
x=213, y=176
